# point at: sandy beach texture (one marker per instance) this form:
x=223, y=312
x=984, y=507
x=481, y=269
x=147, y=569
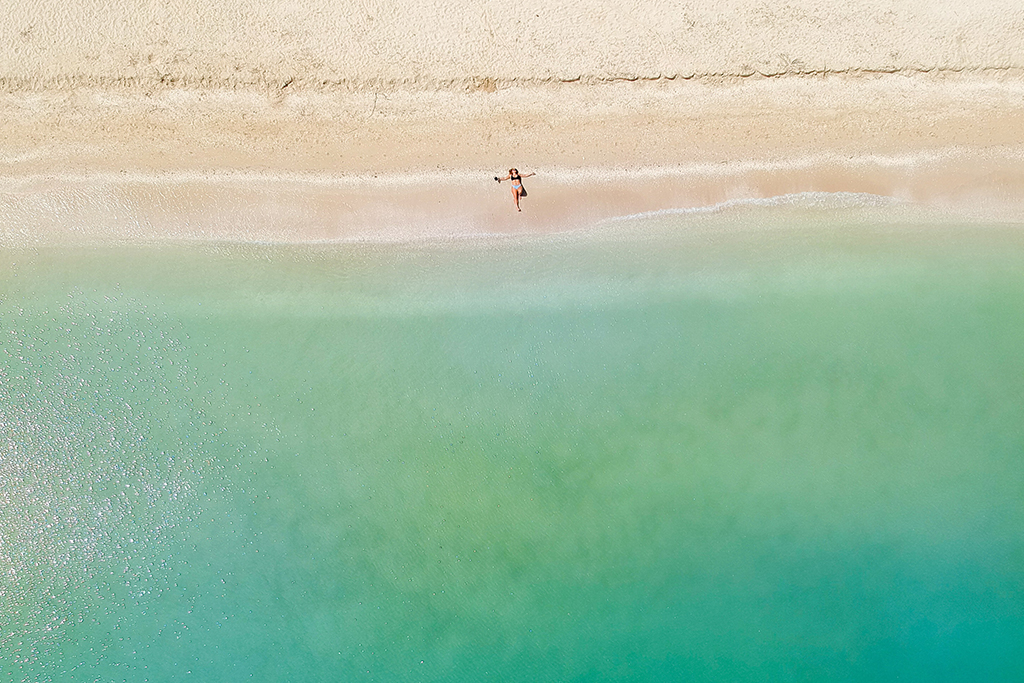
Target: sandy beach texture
x=312, y=120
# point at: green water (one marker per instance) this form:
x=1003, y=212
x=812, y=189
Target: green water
x=744, y=449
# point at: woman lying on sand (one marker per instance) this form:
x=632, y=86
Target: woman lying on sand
x=517, y=184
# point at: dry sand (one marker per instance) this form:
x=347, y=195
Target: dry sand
x=315, y=120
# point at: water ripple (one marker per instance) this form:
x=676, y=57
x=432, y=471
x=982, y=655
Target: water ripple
x=92, y=485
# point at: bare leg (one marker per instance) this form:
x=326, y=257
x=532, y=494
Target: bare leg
x=515, y=195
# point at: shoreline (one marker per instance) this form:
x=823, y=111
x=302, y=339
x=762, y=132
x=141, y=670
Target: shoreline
x=301, y=207
x=406, y=165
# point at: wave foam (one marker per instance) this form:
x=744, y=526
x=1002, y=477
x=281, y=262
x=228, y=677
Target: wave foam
x=274, y=207
x=801, y=200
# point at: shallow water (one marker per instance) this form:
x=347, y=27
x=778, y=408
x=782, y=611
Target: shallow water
x=774, y=443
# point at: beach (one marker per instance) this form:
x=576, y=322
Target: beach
x=415, y=107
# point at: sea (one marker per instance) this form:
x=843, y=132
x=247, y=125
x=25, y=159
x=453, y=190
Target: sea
x=777, y=440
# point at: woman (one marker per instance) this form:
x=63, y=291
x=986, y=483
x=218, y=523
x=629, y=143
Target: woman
x=517, y=184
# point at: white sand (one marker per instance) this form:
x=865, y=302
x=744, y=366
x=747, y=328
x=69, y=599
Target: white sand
x=227, y=43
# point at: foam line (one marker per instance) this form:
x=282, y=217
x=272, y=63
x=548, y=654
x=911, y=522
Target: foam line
x=819, y=200
x=564, y=175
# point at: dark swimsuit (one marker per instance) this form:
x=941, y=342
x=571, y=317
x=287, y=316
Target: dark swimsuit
x=517, y=181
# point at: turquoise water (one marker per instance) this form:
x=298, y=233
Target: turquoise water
x=770, y=444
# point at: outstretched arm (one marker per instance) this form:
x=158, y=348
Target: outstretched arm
x=527, y=175
x=505, y=178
